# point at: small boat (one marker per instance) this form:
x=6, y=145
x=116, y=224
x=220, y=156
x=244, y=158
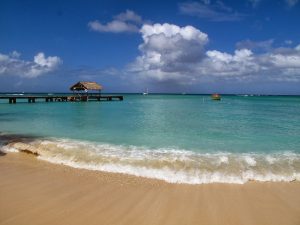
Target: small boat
x=146, y=93
x=216, y=96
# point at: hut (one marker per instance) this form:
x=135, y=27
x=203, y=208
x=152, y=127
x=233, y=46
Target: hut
x=83, y=88
x=86, y=86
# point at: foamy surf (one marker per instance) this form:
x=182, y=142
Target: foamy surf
x=170, y=165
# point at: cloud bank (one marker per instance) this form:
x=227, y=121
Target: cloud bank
x=11, y=64
x=179, y=54
x=170, y=53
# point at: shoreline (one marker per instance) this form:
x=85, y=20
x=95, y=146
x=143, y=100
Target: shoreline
x=170, y=165
x=37, y=192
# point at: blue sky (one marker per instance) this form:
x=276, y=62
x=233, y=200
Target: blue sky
x=250, y=46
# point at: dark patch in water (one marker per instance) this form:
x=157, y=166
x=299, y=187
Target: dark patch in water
x=10, y=138
x=29, y=152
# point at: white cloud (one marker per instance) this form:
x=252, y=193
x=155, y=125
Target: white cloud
x=228, y=65
x=124, y=22
x=168, y=49
x=129, y=15
x=285, y=61
x=11, y=64
x=114, y=26
x=244, y=64
x=178, y=54
x=216, y=11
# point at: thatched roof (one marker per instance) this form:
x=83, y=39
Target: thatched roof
x=83, y=85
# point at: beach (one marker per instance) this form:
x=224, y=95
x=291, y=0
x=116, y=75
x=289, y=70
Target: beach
x=150, y=112
x=37, y=192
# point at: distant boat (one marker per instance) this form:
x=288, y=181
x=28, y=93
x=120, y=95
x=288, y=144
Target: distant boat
x=216, y=96
x=146, y=93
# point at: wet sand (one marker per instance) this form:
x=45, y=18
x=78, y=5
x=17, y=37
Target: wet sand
x=36, y=192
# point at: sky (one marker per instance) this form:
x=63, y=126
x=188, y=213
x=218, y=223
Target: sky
x=204, y=46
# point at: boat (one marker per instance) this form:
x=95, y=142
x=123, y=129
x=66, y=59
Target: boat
x=146, y=93
x=216, y=96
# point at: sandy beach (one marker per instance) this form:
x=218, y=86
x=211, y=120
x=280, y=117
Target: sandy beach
x=37, y=192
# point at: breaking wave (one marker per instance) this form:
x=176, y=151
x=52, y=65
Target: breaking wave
x=170, y=165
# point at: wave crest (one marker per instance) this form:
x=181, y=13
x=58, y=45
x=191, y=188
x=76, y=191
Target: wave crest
x=171, y=165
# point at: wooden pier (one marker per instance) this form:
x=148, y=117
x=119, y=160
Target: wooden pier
x=63, y=98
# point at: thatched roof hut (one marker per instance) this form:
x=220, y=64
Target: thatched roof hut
x=86, y=86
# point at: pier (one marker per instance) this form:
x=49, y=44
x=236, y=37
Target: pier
x=63, y=98
x=80, y=94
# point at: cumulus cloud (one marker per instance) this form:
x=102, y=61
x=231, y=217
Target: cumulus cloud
x=124, y=22
x=206, y=9
x=178, y=54
x=228, y=65
x=11, y=64
x=168, y=49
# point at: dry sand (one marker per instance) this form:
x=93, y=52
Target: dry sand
x=36, y=192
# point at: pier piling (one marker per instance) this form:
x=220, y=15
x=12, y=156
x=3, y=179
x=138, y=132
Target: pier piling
x=12, y=100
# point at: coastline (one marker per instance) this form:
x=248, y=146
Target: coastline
x=168, y=164
x=37, y=192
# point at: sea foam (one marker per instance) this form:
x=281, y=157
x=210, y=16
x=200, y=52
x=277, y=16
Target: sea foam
x=170, y=165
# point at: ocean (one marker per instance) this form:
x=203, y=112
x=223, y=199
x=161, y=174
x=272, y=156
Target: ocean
x=176, y=138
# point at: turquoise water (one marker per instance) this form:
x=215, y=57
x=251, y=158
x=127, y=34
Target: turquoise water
x=194, y=133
